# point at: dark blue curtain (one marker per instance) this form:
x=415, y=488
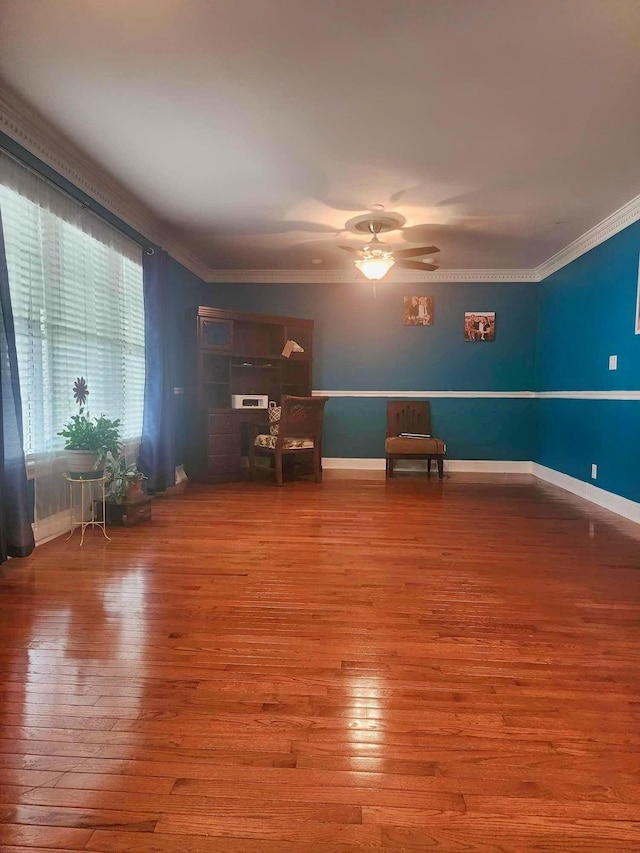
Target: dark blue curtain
x=157, y=458
x=16, y=508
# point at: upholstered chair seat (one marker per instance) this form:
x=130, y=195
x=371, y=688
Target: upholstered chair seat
x=269, y=441
x=426, y=446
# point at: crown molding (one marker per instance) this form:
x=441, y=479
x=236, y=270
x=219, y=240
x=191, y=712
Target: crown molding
x=349, y=276
x=615, y=222
x=22, y=123
x=612, y=224
x=32, y=131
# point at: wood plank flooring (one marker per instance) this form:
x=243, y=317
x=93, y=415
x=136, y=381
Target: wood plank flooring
x=355, y=666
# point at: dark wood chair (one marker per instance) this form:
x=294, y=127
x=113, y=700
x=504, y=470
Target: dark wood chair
x=295, y=429
x=412, y=416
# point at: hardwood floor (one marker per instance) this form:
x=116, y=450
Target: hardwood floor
x=361, y=665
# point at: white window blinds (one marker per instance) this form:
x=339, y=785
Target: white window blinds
x=76, y=292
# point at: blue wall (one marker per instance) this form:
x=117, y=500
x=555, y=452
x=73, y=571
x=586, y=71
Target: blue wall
x=586, y=314
x=360, y=344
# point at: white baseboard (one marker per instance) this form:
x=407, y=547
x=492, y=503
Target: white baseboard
x=356, y=464
x=488, y=466
x=485, y=466
x=51, y=527
x=608, y=500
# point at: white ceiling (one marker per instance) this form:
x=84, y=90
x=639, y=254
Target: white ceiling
x=500, y=129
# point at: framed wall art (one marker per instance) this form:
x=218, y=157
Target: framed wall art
x=418, y=311
x=479, y=326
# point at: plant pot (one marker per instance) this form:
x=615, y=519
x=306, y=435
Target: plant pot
x=81, y=465
x=135, y=490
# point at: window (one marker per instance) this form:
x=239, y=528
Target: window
x=77, y=297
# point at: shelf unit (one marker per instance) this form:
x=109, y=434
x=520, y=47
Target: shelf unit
x=238, y=353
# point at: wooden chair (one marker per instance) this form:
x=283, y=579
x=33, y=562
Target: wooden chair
x=295, y=430
x=413, y=416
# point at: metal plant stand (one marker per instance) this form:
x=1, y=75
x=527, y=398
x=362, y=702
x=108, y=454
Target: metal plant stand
x=87, y=493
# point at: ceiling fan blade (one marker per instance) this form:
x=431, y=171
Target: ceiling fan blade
x=416, y=265
x=350, y=249
x=412, y=253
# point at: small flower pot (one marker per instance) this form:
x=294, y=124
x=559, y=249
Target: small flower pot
x=81, y=465
x=135, y=490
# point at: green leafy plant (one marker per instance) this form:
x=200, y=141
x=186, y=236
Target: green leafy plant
x=97, y=435
x=94, y=435
x=122, y=476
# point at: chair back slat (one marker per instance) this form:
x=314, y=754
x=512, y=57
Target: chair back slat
x=408, y=416
x=302, y=417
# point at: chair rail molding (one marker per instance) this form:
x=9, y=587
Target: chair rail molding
x=420, y=395
x=588, y=395
x=475, y=395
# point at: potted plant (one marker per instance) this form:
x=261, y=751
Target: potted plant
x=126, y=480
x=87, y=439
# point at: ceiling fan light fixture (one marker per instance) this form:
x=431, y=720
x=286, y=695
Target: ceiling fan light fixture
x=376, y=261
x=376, y=258
x=375, y=268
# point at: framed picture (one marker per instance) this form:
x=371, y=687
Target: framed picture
x=418, y=311
x=479, y=326
x=638, y=302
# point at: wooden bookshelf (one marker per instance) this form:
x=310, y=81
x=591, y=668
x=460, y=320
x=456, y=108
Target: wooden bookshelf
x=238, y=354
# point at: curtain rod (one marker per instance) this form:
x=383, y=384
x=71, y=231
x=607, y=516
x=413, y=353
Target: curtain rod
x=145, y=246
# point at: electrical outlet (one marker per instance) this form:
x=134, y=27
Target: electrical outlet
x=594, y=472
x=613, y=362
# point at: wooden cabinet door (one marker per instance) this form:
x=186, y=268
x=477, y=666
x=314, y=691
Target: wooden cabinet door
x=223, y=447
x=215, y=335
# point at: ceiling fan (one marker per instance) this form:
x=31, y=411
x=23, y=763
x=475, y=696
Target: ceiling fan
x=377, y=258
